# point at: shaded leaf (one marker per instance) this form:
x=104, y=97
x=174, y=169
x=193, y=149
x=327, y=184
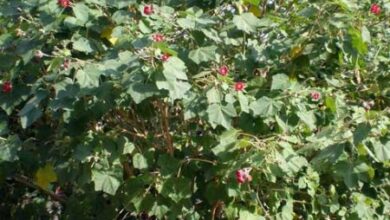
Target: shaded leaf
x=9, y=149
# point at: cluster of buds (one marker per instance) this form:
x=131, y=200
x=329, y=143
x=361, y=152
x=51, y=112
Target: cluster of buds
x=66, y=64
x=148, y=9
x=7, y=87
x=242, y=175
x=158, y=37
x=165, y=57
x=64, y=3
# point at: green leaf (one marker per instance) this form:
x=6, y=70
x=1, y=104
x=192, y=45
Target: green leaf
x=140, y=91
x=81, y=11
x=195, y=20
x=308, y=118
x=30, y=117
x=203, y=54
x=283, y=125
x=176, y=189
x=139, y=161
x=382, y=151
x=120, y=3
x=361, y=133
x=226, y=142
x=186, y=23
x=366, y=36
x=212, y=34
x=346, y=4
x=105, y=182
x=168, y=165
x=139, y=88
x=265, y=107
x=175, y=68
x=243, y=100
x=83, y=45
x=253, y=2
x=8, y=101
x=177, y=89
x=246, y=215
x=72, y=22
x=9, y=149
x=221, y=115
x=31, y=111
x=327, y=156
x=346, y=171
x=26, y=47
x=174, y=78
x=280, y=81
x=128, y=148
x=246, y=22
x=122, y=17
x=158, y=210
x=3, y=124
x=330, y=103
x=287, y=211
x=164, y=47
x=88, y=77
x=357, y=41
x=213, y=96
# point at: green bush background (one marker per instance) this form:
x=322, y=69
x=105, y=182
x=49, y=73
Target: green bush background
x=101, y=128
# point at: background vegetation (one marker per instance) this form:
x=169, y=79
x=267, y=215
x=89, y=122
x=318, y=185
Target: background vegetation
x=177, y=109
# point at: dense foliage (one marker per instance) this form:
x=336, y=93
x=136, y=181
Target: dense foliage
x=174, y=109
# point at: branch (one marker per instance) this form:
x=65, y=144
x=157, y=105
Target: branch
x=164, y=108
x=27, y=182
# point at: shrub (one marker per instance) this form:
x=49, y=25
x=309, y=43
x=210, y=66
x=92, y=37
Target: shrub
x=194, y=109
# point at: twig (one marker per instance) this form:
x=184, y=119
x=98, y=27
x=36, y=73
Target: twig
x=260, y=202
x=128, y=172
x=215, y=207
x=201, y=160
x=25, y=181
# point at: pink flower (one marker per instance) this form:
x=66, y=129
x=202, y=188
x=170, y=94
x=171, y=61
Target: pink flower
x=367, y=105
x=375, y=9
x=148, y=9
x=223, y=70
x=165, y=57
x=158, y=37
x=66, y=64
x=242, y=175
x=315, y=96
x=7, y=87
x=64, y=3
x=239, y=86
